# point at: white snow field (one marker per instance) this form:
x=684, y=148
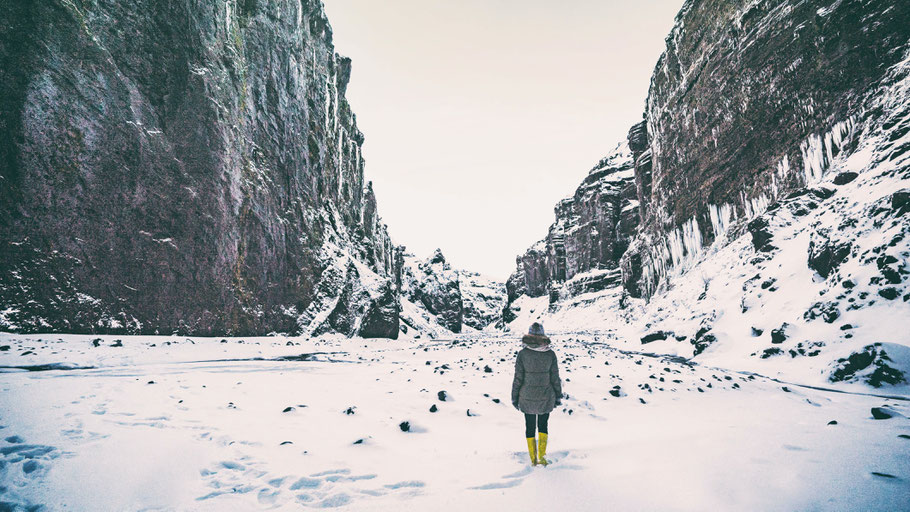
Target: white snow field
x=175, y=423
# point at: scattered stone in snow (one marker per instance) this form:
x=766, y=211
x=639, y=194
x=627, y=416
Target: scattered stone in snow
x=786, y=389
x=117, y=343
x=845, y=177
x=903, y=436
x=869, y=365
x=151, y=382
x=433, y=408
x=4, y=348
x=761, y=235
x=487, y=369
x=900, y=201
x=883, y=475
x=405, y=426
x=826, y=310
x=286, y=443
x=359, y=441
x=779, y=335
x=288, y=409
x=654, y=336
x=826, y=254
x=96, y=342
x=881, y=413
x=350, y=410
x=442, y=396
x=889, y=293
x=469, y=413
x=832, y=422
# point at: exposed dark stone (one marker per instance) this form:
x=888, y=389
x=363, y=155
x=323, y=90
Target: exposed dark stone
x=825, y=253
x=349, y=410
x=845, y=177
x=405, y=426
x=773, y=351
x=825, y=310
x=761, y=235
x=433, y=408
x=702, y=340
x=900, y=201
x=756, y=332
x=881, y=413
x=655, y=336
x=487, y=369
x=442, y=396
x=288, y=409
x=889, y=293
x=832, y=422
x=857, y=367
x=779, y=335
x=4, y=348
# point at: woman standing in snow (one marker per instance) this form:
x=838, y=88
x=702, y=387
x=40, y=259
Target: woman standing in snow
x=536, y=388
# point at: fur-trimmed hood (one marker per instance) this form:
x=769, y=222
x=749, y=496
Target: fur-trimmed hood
x=535, y=342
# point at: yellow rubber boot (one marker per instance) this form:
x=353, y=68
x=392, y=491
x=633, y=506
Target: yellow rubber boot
x=542, y=449
x=532, y=450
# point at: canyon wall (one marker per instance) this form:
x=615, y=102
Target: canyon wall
x=185, y=167
x=750, y=102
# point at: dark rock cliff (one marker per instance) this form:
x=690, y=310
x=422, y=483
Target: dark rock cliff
x=184, y=167
x=750, y=101
x=592, y=231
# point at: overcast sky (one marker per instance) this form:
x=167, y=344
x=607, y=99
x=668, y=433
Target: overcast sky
x=479, y=115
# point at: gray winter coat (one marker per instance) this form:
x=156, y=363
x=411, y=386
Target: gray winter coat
x=536, y=387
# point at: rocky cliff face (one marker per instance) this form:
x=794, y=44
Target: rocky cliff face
x=437, y=298
x=750, y=101
x=184, y=167
x=592, y=231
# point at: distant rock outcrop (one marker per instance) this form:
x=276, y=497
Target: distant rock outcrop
x=441, y=296
x=592, y=231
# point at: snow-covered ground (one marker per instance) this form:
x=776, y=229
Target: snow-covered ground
x=172, y=423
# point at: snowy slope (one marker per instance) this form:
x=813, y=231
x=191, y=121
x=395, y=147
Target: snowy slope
x=166, y=423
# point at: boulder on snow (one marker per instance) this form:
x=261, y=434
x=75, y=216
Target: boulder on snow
x=761, y=235
x=881, y=413
x=702, y=340
x=845, y=177
x=825, y=253
x=871, y=365
x=779, y=335
x=825, y=310
x=654, y=336
x=900, y=201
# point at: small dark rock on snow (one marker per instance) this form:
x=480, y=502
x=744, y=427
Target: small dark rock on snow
x=288, y=409
x=433, y=408
x=880, y=413
x=845, y=177
x=442, y=396
x=405, y=426
x=779, y=335
x=654, y=336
